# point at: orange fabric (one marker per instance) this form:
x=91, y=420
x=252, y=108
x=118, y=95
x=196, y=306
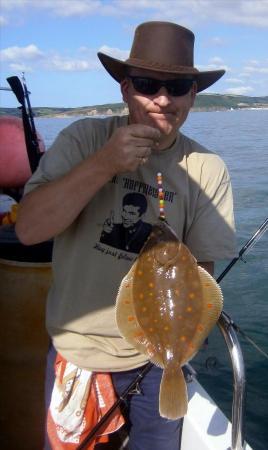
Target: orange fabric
x=79, y=399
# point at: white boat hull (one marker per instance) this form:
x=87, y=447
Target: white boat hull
x=205, y=426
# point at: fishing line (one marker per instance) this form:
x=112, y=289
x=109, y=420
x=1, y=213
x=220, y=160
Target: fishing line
x=245, y=249
x=250, y=340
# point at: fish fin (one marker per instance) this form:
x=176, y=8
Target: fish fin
x=157, y=361
x=126, y=317
x=212, y=307
x=212, y=295
x=173, y=398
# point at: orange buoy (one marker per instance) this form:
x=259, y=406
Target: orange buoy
x=14, y=164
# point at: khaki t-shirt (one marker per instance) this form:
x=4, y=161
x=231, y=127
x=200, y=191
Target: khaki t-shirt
x=92, y=256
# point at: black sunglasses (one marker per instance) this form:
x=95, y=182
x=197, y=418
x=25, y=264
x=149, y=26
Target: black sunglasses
x=150, y=86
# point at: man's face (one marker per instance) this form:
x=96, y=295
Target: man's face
x=160, y=110
x=130, y=215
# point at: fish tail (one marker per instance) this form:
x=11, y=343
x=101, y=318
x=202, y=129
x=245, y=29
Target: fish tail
x=173, y=399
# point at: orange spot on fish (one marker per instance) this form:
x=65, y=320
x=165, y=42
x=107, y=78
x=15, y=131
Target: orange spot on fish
x=151, y=294
x=177, y=292
x=138, y=334
x=144, y=308
x=166, y=328
x=189, y=309
x=130, y=318
x=141, y=295
x=140, y=272
x=151, y=330
x=209, y=305
x=127, y=302
x=151, y=285
x=191, y=295
x=200, y=327
x=183, y=338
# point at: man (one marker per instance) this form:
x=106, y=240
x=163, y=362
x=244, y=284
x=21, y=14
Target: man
x=133, y=231
x=90, y=167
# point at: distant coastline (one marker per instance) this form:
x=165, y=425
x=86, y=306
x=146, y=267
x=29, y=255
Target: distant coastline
x=203, y=102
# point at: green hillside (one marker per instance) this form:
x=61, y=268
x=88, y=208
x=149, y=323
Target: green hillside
x=204, y=102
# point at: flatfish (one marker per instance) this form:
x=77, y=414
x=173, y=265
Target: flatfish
x=165, y=308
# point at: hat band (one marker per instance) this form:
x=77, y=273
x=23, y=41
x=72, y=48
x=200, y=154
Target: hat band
x=135, y=62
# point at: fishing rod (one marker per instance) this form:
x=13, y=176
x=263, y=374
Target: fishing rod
x=129, y=389
x=249, y=244
x=30, y=111
x=32, y=145
x=134, y=384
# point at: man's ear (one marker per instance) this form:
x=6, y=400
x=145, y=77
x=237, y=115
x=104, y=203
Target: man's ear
x=124, y=85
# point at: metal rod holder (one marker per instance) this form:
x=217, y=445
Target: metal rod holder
x=239, y=380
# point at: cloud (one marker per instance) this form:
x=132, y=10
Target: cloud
x=30, y=58
x=31, y=52
x=63, y=8
x=17, y=67
x=214, y=63
x=243, y=90
x=256, y=68
x=215, y=41
x=252, y=70
x=114, y=52
x=233, y=80
x=3, y=21
x=243, y=12
x=67, y=64
x=67, y=8
x=217, y=60
x=12, y=4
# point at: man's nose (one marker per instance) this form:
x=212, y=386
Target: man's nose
x=162, y=98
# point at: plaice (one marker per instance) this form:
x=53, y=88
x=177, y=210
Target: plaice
x=165, y=308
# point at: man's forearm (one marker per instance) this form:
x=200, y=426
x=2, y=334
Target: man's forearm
x=52, y=207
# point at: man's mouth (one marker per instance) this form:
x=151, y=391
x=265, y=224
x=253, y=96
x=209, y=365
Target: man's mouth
x=161, y=114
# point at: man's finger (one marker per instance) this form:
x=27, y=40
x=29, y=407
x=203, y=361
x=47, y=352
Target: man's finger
x=145, y=131
x=143, y=152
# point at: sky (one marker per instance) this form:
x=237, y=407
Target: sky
x=55, y=44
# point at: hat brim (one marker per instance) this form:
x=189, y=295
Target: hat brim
x=118, y=70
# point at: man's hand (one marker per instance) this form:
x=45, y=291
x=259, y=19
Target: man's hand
x=50, y=209
x=109, y=223
x=129, y=147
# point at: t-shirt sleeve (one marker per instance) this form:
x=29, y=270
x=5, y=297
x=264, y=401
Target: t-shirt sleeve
x=211, y=234
x=64, y=154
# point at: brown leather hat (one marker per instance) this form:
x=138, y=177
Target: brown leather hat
x=162, y=47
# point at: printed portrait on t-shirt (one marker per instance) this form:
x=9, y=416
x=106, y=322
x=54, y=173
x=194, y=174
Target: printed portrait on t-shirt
x=131, y=233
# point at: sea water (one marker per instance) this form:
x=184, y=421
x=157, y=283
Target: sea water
x=241, y=139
